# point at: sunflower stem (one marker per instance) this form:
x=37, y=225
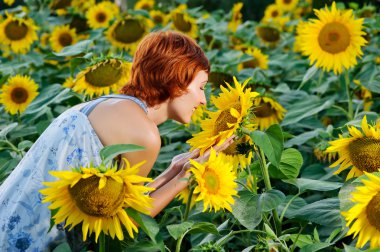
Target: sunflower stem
x=349, y=98
x=188, y=204
x=102, y=242
x=268, y=186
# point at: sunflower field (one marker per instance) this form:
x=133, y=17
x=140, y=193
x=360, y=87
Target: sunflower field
x=299, y=88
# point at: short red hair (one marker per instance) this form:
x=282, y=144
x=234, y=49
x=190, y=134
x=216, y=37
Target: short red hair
x=163, y=66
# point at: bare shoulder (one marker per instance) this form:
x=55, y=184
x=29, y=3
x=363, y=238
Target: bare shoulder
x=123, y=121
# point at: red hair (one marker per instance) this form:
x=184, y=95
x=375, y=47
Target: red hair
x=163, y=66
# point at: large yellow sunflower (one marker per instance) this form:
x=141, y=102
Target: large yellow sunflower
x=18, y=93
x=106, y=76
x=360, y=150
x=126, y=33
x=97, y=197
x=144, y=5
x=215, y=183
x=287, y=5
x=259, y=60
x=183, y=22
x=98, y=16
x=334, y=40
x=233, y=104
x=236, y=17
x=267, y=112
x=18, y=33
x=61, y=37
x=364, y=215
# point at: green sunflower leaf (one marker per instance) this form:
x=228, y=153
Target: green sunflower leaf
x=247, y=210
x=111, y=151
x=271, y=142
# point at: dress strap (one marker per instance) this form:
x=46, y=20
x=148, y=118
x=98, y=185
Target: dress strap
x=92, y=104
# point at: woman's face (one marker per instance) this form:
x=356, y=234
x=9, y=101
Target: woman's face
x=181, y=108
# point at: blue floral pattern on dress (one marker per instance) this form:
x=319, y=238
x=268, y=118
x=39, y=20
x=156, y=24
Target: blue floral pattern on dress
x=69, y=141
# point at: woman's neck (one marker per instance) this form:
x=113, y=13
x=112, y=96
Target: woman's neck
x=158, y=113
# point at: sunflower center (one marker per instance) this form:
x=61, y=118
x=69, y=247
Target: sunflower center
x=105, y=74
x=65, y=39
x=334, y=38
x=373, y=211
x=97, y=202
x=274, y=13
x=264, y=110
x=181, y=24
x=238, y=147
x=157, y=19
x=15, y=30
x=129, y=31
x=101, y=17
x=225, y=117
x=286, y=1
x=364, y=153
x=268, y=34
x=19, y=95
x=211, y=181
x=251, y=64
x=60, y=4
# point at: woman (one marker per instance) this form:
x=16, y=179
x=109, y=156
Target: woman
x=168, y=77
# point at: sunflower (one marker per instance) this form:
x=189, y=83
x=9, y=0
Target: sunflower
x=61, y=37
x=287, y=5
x=298, y=39
x=334, y=40
x=158, y=17
x=69, y=82
x=9, y=2
x=360, y=151
x=365, y=95
x=268, y=34
x=18, y=33
x=233, y=104
x=126, y=33
x=199, y=114
x=111, y=6
x=323, y=156
x=144, y=5
x=259, y=60
x=18, y=93
x=236, y=17
x=98, y=16
x=267, y=112
x=105, y=76
x=183, y=22
x=215, y=182
x=364, y=215
x=239, y=153
x=272, y=11
x=97, y=196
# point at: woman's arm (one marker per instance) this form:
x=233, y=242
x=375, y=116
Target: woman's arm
x=166, y=193
x=168, y=187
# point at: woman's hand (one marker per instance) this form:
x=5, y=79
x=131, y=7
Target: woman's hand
x=206, y=154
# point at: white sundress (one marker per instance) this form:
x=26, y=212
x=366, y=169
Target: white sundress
x=69, y=141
